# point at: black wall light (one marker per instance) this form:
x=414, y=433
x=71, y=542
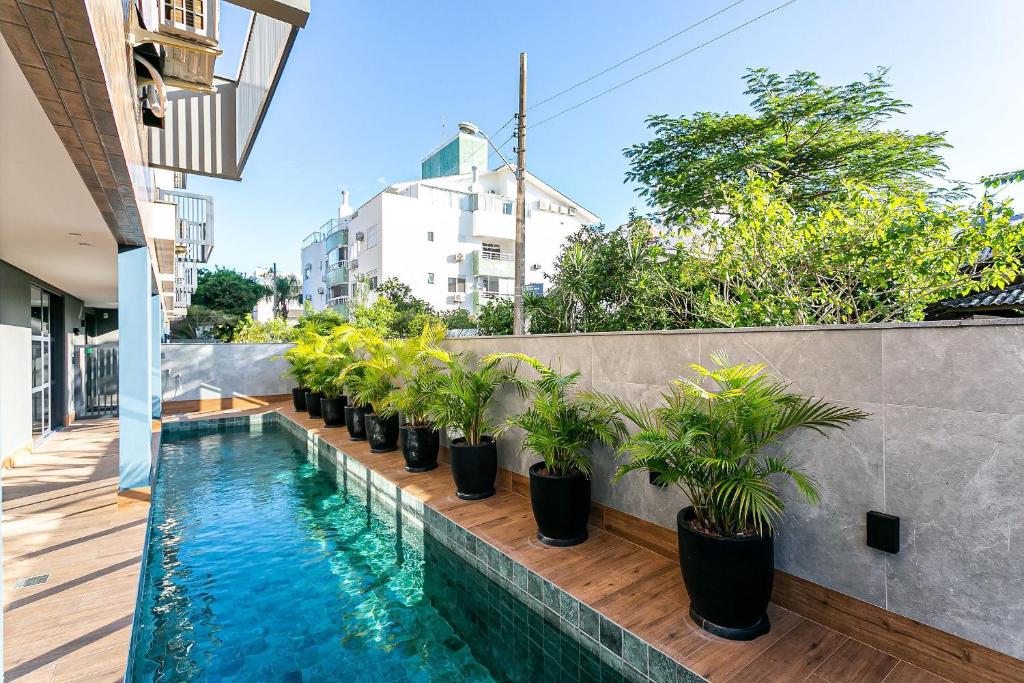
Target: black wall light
x=883, y=532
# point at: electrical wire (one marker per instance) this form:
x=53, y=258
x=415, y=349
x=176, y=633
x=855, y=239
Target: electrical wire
x=665, y=63
x=634, y=56
x=503, y=126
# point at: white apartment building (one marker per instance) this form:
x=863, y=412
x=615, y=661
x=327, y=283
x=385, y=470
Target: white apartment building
x=450, y=236
x=193, y=236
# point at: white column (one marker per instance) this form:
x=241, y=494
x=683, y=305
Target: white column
x=156, y=327
x=135, y=366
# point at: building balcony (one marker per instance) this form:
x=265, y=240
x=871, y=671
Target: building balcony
x=211, y=130
x=482, y=297
x=334, y=236
x=496, y=265
x=337, y=274
x=492, y=215
x=339, y=304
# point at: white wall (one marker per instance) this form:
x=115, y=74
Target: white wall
x=208, y=371
x=313, y=255
x=15, y=389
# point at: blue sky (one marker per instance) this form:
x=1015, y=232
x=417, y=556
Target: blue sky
x=363, y=96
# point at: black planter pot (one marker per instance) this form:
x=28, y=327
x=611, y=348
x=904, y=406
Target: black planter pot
x=333, y=410
x=313, y=403
x=420, y=446
x=354, y=422
x=382, y=432
x=561, y=506
x=729, y=580
x=474, y=468
x=299, y=398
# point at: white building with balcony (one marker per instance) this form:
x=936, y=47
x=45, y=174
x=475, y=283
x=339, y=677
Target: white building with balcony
x=450, y=236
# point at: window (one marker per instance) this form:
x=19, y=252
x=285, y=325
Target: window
x=373, y=283
x=430, y=235
x=308, y=269
x=506, y=207
x=372, y=237
x=430, y=278
x=488, y=283
x=456, y=285
x=491, y=251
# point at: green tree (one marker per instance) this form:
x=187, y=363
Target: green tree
x=381, y=317
x=605, y=280
x=321, y=322
x=458, y=319
x=276, y=330
x=228, y=291
x=201, y=322
x=1004, y=178
x=286, y=288
x=813, y=137
x=495, y=318
x=859, y=256
x=408, y=308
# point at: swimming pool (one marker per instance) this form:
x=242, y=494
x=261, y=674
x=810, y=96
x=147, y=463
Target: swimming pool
x=262, y=566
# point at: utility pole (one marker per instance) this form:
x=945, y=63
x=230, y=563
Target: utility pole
x=518, y=317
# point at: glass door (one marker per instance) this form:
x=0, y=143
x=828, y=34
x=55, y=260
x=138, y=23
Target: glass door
x=41, y=365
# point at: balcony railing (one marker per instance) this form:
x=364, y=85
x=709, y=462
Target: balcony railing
x=194, y=232
x=497, y=265
x=212, y=133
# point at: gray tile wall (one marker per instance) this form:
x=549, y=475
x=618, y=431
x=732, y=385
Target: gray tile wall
x=944, y=450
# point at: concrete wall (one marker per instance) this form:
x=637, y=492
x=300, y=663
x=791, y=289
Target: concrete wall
x=944, y=449
x=204, y=371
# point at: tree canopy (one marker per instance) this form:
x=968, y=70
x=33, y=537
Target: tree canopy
x=814, y=138
x=228, y=291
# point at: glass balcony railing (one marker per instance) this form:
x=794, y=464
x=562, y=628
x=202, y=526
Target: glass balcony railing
x=496, y=265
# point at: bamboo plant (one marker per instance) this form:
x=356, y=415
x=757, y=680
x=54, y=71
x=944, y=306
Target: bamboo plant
x=712, y=443
x=559, y=427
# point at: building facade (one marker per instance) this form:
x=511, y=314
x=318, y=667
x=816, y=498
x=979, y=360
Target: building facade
x=451, y=238
x=193, y=236
x=104, y=103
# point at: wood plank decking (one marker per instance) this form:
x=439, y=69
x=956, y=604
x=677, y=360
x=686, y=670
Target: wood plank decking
x=62, y=519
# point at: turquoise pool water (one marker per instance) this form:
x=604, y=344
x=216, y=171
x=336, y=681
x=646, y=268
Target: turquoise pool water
x=261, y=567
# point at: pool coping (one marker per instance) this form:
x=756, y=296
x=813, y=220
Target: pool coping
x=623, y=650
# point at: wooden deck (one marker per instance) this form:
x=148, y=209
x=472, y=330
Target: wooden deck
x=62, y=519
x=637, y=588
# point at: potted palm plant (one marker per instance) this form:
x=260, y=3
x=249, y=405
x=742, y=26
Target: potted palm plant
x=561, y=429
x=355, y=410
x=299, y=361
x=418, y=374
x=370, y=381
x=461, y=403
x=710, y=438
x=323, y=380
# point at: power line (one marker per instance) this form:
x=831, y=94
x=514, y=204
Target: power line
x=664, y=64
x=635, y=55
x=503, y=126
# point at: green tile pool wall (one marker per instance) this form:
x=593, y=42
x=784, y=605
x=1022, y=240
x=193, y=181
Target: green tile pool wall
x=599, y=637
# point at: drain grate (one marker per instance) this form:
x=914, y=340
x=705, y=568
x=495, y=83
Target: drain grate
x=31, y=581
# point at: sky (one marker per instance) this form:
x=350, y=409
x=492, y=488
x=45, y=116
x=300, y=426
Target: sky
x=367, y=86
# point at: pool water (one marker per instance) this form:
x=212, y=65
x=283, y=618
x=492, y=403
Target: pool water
x=261, y=567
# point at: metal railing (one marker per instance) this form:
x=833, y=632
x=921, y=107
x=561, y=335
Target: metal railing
x=488, y=256
x=96, y=380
